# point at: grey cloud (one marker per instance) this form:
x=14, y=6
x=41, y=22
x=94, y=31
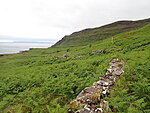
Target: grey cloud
x=55, y=18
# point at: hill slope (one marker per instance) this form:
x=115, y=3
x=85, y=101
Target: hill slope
x=46, y=80
x=88, y=36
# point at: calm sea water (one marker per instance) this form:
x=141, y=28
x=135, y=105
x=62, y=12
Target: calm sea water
x=7, y=48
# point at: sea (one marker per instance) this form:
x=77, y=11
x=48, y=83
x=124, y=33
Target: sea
x=10, y=47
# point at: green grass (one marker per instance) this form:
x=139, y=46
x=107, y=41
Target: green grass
x=36, y=81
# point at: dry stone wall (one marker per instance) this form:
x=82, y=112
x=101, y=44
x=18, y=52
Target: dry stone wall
x=91, y=99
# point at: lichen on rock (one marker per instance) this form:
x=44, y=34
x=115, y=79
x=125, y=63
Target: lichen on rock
x=91, y=99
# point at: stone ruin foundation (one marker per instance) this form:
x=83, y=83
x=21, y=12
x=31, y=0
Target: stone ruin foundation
x=91, y=99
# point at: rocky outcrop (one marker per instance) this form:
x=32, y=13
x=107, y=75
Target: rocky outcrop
x=91, y=99
x=104, y=50
x=98, y=51
x=64, y=56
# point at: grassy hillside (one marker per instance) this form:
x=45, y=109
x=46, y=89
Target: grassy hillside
x=41, y=80
x=89, y=36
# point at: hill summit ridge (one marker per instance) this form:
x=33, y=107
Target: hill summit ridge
x=90, y=35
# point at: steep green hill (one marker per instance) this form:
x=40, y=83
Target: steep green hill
x=46, y=80
x=91, y=35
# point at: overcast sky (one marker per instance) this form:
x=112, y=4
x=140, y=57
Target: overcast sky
x=52, y=19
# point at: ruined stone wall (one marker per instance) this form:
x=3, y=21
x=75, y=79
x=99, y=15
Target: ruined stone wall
x=91, y=99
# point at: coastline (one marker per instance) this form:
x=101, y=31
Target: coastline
x=13, y=48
